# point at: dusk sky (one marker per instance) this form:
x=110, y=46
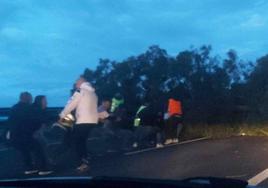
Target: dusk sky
x=46, y=44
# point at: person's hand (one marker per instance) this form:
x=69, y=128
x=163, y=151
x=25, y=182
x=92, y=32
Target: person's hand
x=103, y=115
x=61, y=120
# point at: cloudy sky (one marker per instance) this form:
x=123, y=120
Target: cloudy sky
x=46, y=44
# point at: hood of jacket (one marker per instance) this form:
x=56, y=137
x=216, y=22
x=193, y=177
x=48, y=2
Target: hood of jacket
x=87, y=86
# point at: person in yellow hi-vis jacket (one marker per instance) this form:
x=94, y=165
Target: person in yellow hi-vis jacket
x=117, y=100
x=147, y=129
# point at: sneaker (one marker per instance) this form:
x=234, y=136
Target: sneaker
x=175, y=141
x=159, y=145
x=168, y=141
x=83, y=167
x=135, y=145
x=28, y=172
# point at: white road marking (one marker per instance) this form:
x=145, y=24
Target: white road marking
x=180, y=143
x=258, y=178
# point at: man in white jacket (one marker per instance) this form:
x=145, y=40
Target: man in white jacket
x=84, y=102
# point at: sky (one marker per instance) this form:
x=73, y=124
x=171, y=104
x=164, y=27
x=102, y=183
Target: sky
x=46, y=44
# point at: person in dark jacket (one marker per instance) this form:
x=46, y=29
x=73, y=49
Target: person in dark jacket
x=122, y=128
x=19, y=115
x=39, y=118
x=149, y=127
x=25, y=119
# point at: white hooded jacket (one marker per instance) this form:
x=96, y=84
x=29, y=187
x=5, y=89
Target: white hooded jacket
x=84, y=101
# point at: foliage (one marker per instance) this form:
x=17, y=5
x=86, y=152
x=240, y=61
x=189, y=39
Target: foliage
x=212, y=90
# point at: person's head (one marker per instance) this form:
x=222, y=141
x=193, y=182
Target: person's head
x=79, y=82
x=26, y=97
x=106, y=103
x=40, y=101
x=146, y=102
x=118, y=96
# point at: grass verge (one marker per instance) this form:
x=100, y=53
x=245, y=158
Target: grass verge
x=223, y=131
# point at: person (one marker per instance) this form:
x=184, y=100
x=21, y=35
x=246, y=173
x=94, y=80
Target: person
x=104, y=111
x=139, y=123
x=111, y=125
x=147, y=126
x=173, y=121
x=117, y=100
x=113, y=128
x=159, y=124
x=84, y=102
x=119, y=124
x=105, y=106
x=39, y=118
x=17, y=120
x=19, y=113
x=24, y=122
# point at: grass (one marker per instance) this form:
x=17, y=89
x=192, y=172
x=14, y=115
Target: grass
x=223, y=131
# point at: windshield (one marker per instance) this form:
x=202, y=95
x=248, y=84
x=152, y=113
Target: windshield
x=130, y=88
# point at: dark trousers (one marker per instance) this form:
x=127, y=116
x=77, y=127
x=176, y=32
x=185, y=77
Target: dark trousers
x=126, y=138
x=145, y=134
x=31, y=149
x=173, y=127
x=80, y=136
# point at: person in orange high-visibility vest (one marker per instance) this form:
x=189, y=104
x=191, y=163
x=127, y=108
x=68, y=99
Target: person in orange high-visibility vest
x=173, y=121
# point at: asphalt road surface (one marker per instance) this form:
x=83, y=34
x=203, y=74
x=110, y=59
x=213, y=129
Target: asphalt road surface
x=243, y=158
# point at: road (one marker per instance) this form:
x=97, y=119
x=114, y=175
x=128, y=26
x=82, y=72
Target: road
x=237, y=157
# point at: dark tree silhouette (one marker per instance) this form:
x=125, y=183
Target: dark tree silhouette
x=212, y=90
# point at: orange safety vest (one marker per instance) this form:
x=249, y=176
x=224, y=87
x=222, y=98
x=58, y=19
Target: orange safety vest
x=174, y=107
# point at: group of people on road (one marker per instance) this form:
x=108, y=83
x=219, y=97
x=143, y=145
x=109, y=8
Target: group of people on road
x=160, y=127
x=25, y=119
x=149, y=127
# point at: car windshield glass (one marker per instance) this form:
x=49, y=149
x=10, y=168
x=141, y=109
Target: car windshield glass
x=148, y=89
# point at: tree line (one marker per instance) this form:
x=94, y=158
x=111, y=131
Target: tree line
x=212, y=89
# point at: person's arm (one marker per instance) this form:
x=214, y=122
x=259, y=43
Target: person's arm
x=71, y=105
